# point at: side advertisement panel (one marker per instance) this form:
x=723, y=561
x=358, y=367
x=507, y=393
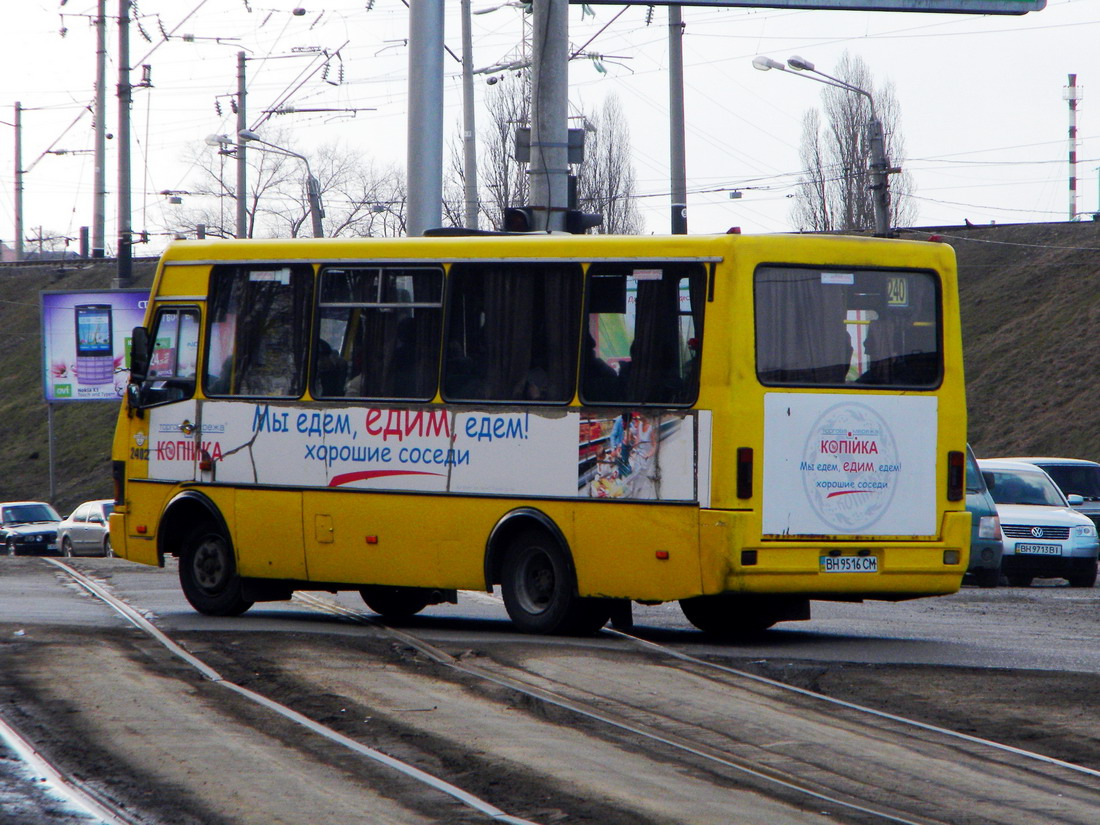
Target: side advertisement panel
x=849, y=465
x=633, y=455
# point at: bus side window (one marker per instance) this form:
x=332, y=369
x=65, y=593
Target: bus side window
x=512, y=332
x=379, y=331
x=257, y=331
x=644, y=333
x=173, y=356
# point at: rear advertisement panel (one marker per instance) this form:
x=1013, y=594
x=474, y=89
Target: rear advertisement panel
x=847, y=465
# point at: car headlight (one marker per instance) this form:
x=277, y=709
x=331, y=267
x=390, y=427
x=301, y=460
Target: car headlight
x=1085, y=530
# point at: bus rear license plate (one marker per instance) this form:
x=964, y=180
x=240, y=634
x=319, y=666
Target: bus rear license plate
x=849, y=564
x=1039, y=549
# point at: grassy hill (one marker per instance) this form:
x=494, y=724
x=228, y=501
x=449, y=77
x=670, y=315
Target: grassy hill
x=82, y=431
x=1030, y=311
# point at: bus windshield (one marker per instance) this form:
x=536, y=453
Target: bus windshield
x=837, y=328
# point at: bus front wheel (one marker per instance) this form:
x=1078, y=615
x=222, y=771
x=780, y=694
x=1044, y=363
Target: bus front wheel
x=395, y=603
x=539, y=589
x=208, y=573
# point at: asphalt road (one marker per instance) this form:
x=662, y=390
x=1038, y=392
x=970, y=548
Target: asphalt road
x=931, y=651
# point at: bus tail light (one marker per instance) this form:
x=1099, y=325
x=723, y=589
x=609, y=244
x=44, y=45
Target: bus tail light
x=956, y=475
x=744, y=472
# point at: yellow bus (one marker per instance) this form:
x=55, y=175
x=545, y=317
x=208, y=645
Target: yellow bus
x=738, y=423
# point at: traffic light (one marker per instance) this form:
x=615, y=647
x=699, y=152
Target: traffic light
x=578, y=222
x=519, y=219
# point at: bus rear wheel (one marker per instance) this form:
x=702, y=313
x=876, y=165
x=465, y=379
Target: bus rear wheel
x=731, y=616
x=539, y=589
x=395, y=602
x=208, y=573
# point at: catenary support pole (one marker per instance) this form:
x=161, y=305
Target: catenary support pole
x=469, y=134
x=549, y=167
x=425, y=133
x=99, y=195
x=124, y=276
x=677, y=153
x=242, y=169
x=18, y=181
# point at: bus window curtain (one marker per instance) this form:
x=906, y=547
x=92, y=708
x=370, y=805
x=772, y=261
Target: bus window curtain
x=801, y=337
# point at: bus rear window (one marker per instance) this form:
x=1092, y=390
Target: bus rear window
x=825, y=327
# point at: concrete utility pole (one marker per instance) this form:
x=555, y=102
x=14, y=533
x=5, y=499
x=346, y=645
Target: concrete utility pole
x=124, y=276
x=677, y=153
x=469, y=137
x=242, y=169
x=549, y=167
x=425, y=132
x=18, y=181
x=99, y=199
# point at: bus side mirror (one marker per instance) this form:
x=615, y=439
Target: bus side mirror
x=139, y=355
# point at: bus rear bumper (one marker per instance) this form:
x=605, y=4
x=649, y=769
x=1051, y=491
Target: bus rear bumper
x=835, y=568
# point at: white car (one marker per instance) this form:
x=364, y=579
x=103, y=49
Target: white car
x=1044, y=537
x=85, y=531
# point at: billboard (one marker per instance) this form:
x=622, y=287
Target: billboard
x=86, y=342
x=955, y=6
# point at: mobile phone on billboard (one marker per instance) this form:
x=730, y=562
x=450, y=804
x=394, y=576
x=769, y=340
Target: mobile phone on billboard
x=95, y=345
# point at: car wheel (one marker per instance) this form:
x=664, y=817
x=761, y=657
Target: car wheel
x=108, y=550
x=987, y=577
x=539, y=589
x=1019, y=580
x=1087, y=579
x=208, y=573
x=9, y=548
x=395, y=603
x=67, y=548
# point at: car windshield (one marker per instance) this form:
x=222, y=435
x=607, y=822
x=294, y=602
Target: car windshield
x=1022, y=487
x=1076, y=479
x=29, y=513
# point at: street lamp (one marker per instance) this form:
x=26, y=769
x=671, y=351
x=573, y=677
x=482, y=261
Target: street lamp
x=879, y=166
x=313, y=188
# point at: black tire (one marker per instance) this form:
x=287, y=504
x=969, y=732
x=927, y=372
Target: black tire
x=108, y=549
x=208, y=573
x=728, y=616
x=1019, y=579
x=66, y=548
x=395, y=603
x=1083, y=579
x=987, y=577
x=540, y=590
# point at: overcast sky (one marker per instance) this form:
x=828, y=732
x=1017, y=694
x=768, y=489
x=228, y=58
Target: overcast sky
x=983, y=113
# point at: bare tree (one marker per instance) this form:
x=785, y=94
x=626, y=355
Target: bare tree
x=358, y=199
x=605, y=180
x=834, y=192
x=504, y=180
